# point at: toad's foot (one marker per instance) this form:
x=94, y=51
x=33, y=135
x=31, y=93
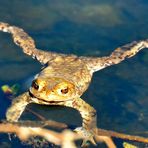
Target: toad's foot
x=92, y=136
x=87, y=135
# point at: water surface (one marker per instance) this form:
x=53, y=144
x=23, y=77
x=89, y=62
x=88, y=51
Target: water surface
x=90, y=28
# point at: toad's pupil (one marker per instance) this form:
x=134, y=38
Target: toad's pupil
x=35, y=85
x=64, y=91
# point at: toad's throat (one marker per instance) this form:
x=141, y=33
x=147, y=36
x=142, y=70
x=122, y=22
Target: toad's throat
x=45, y=101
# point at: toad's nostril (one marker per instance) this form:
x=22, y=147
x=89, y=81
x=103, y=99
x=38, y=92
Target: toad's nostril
x=48, y=92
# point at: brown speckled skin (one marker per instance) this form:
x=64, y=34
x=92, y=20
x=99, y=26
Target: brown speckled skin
x=65, y=77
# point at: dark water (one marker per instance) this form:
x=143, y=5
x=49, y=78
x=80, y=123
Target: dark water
x=86, y=27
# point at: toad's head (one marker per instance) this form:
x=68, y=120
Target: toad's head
x=52, y=90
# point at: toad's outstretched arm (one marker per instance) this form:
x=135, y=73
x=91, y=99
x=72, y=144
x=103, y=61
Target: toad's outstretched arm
x=117, y=56
x=23, y=40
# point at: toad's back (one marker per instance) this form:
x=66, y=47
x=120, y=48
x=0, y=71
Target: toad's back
x=71, y=68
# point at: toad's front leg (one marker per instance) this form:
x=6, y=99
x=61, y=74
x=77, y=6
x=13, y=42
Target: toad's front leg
x=17, y=107
x=89, y=118
x=117, y=56
x=22, y=39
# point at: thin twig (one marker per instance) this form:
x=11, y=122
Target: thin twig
x=122, y=136
x=47, y=123
x=36, y=114
x=108, y=141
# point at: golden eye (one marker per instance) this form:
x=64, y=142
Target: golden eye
x=64, y=91
x=35, y=85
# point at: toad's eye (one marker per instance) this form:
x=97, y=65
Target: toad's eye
x=35, y=85
x=65, y=90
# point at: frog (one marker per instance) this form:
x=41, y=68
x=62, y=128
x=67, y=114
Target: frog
x=64, y=78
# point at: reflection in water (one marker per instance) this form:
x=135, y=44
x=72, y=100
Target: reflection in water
x=119, y=93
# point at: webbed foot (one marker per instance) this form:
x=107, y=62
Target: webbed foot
x=89, y=135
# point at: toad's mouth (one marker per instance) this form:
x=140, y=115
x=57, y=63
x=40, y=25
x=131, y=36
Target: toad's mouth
x=45, y=101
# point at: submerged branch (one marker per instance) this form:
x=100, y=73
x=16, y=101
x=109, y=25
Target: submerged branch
x=27, y=129
x=122, y=136
x=65, y=139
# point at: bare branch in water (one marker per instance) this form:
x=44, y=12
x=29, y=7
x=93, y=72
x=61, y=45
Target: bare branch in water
x=122, y=136
x=65, y=139
x=27, y=129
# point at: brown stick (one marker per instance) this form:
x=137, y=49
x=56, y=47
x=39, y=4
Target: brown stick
x=24, y=133
x=36, y=114
x=102, y=132
x=122, y=136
